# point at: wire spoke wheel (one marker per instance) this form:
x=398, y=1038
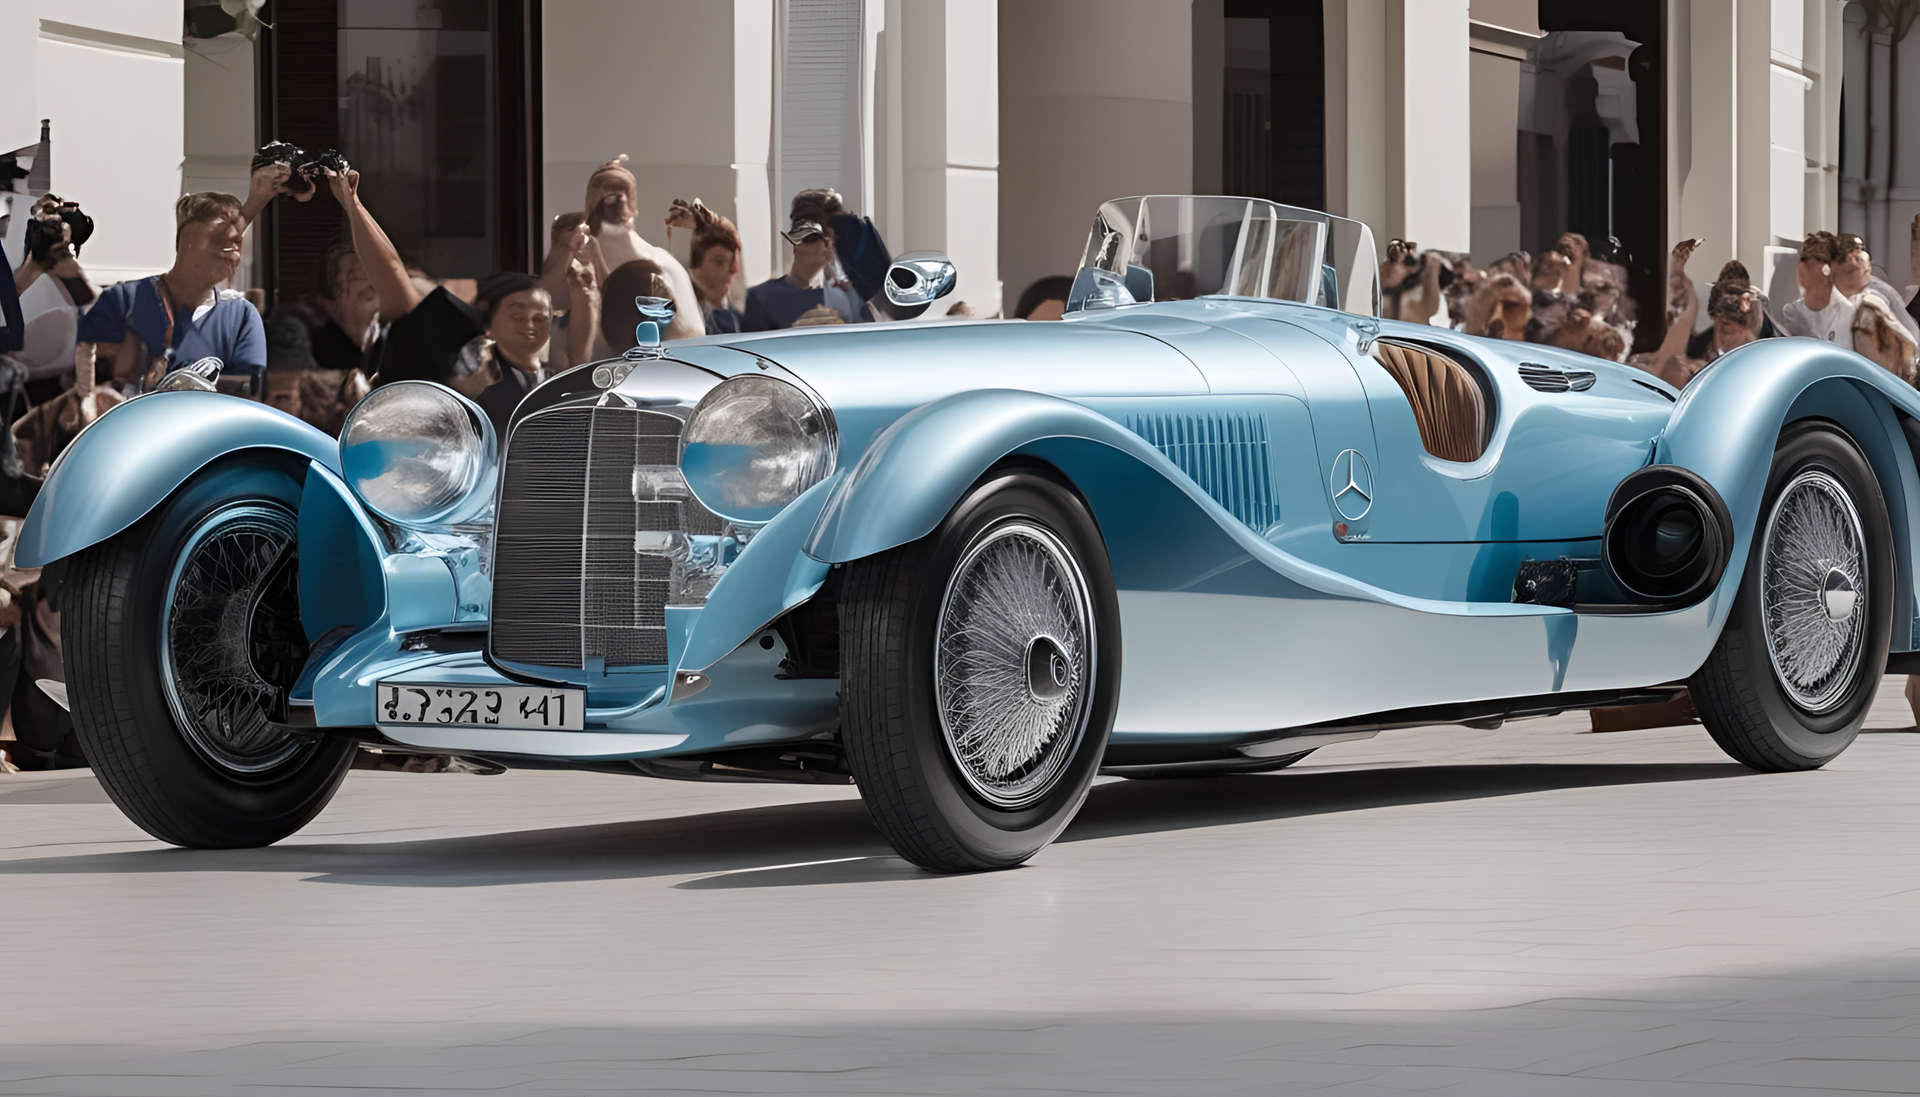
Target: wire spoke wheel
x=231, y=640
x=1814, y=590
x=1013, y=662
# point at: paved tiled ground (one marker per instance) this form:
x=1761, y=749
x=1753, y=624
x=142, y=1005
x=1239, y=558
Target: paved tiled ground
x=1525, y=911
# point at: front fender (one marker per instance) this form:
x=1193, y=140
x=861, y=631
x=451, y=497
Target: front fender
x=1727, y=422
x=133, y=457
x=917, y=469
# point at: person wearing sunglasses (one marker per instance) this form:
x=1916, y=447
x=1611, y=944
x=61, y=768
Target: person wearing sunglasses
x=801, y=297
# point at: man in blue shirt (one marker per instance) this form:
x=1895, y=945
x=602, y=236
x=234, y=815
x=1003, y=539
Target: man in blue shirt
x=175, y=319
x=801, y=297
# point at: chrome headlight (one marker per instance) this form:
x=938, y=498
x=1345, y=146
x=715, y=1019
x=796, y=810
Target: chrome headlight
x=753, y=445
x=419, y=455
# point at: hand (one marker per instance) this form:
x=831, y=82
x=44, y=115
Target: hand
x=268, y=181
x=579, y=242
x=681, y=216
x=1682, y=252
x=345, y=186
x=583, y=285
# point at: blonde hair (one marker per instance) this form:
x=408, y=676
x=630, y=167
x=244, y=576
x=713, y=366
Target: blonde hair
x=200, y=208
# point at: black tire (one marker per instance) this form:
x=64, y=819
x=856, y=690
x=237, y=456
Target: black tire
x=941, y=811
x=234, y=782
x=1779, y=720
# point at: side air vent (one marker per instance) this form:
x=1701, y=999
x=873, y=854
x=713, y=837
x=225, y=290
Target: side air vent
x=1555, y=378
x=1226, y=455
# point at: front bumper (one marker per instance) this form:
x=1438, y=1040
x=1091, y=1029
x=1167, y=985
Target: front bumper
x=628, y=715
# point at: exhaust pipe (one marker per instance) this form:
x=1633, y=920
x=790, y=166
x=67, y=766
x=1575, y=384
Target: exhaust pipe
x=1667, y=538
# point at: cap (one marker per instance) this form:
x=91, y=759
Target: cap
x=803, y=229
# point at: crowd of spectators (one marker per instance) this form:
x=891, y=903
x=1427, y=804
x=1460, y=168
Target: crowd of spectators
x=1569, y=297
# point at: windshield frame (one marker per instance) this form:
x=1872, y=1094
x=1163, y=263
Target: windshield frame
x=1336, y=266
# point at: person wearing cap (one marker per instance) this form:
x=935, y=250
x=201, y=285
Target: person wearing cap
x=801, y=297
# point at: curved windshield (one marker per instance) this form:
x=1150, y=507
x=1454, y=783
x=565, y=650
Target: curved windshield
x=1164, y=247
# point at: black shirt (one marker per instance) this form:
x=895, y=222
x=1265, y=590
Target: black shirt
x=334, y=348
x=500, y=398
x=424, y=344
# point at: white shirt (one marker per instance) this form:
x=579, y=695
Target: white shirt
x=1833, y=324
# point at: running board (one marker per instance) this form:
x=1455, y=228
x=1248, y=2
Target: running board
x=1283, y=742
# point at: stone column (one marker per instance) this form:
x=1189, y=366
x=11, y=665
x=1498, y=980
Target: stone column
x=1397, y=108
x=937, y=147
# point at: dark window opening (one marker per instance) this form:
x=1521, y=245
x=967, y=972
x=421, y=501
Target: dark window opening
x=1273, y=109
x=435, y=103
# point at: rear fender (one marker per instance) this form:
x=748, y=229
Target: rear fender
x=1728, y=421
x=132, y=458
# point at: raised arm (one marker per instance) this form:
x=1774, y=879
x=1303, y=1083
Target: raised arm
x=262, y=186
x=1669, y=360
x=378, y=257
x=583, y=318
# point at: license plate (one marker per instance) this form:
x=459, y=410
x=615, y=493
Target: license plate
x=518, y=707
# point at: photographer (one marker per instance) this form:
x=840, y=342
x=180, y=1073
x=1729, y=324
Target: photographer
x=615, y=242
x=55, y=233
x=713, y=262
x=173, y=319
x=1398, y=275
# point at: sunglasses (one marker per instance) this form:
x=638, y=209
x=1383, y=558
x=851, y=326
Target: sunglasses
x=811, y=238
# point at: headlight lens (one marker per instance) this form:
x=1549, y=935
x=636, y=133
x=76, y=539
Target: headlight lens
x=753, y=445
x=419, y=455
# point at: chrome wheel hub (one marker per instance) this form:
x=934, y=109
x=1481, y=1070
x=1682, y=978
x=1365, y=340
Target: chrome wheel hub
x=1814, y=575
x=1013, y=663
x=230, y=637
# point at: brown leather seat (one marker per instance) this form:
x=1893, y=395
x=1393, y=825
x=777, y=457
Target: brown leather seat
x=1448, y=406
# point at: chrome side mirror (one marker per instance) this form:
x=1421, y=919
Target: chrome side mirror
x=916, y=280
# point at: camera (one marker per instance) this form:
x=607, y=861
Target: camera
x=303, y=166
x=45, y=233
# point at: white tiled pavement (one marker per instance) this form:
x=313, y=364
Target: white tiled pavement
x=1527, y=911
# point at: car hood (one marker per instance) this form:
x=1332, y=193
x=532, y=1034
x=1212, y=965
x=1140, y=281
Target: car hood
x=871, y=374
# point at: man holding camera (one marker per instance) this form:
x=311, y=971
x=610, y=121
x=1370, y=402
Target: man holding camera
x=177, y=318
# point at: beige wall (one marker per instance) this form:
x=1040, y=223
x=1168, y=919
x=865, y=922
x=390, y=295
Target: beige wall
x=1096, y=102
x=111, y=76
x=692, y=108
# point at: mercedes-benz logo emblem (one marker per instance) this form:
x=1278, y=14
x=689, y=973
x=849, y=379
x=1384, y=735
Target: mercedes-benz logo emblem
x=1352, y=485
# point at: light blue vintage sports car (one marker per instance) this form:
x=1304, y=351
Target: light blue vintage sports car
x=1219, y=517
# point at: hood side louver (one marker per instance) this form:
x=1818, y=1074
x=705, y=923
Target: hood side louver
x=1226, y=455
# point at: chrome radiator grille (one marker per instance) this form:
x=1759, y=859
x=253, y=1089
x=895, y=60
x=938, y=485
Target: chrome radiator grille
x=569, y=585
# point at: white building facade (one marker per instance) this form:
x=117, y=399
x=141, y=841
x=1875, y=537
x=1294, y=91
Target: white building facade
x=989, y=129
